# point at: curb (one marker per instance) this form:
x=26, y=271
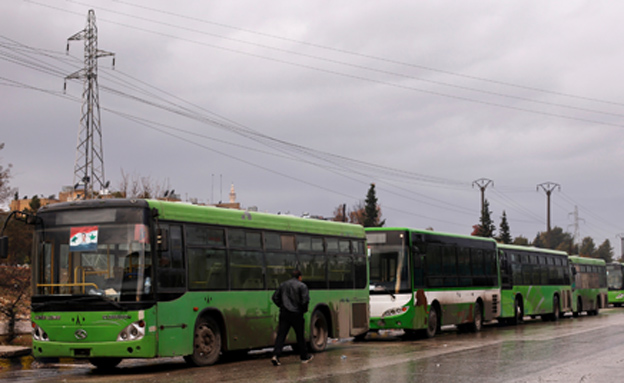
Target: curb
x=9, y=352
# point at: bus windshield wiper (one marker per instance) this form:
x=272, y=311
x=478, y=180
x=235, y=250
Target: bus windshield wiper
x=385, y=289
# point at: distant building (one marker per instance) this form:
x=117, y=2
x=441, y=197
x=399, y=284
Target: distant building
x=24, y=203
x=68, y=193
x=232, y=204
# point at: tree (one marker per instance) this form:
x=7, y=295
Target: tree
x=35, y=204
x=486, y=227
x=521, y=241
x=372, y=212
x=5, y=177
x=605, y=251
x=588, y=247
x=14, y=296
x=135, y=186
x=556, y=239
x=505, y=234
x=340, y=213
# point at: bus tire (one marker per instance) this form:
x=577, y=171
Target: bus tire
x=597, y=310
x=477, y=325
x=556, y=309
x=105, y=363
x=579, y=308
x=518, y=312
x=318, y=331
x=432, y=322
x=206, y=343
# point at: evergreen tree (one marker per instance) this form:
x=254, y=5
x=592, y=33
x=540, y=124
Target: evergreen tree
x=486, y=227
x=35, y=204
x=505, y=234
x=605, y=251
x=372, y=212
x=588, y=247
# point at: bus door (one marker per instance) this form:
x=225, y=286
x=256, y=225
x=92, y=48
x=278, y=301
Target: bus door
x=175, y=330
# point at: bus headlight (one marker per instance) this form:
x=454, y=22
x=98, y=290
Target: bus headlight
x=394, y=311
x=133, y=331
x=39, y=334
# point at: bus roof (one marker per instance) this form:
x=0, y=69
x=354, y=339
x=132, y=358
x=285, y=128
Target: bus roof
x=531, y=249
x=587, y=261
x=430, y=232
x=182, y=212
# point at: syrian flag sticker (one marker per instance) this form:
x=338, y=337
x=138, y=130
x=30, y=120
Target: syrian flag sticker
x=83, y=238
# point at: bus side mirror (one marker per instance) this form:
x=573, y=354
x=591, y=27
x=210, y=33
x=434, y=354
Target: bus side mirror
x=4, y=247
x=162, y=240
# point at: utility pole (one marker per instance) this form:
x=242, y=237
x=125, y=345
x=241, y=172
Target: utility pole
x=89, y=165
x=548, y=188
x=621, y=237
x=483, y=183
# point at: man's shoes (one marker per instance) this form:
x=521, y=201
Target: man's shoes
x=308, y=359
x=275, y=360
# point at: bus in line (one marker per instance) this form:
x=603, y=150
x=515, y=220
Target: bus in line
x=421, y=280
x=534, y=282
x=115, y=279
x=589, y=285
x=615, y=283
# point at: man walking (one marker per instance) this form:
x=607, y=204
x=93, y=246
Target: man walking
x=292, y=298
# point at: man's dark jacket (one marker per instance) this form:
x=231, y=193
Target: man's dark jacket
x=292, y=296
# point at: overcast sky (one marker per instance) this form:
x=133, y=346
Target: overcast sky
x=301, y=105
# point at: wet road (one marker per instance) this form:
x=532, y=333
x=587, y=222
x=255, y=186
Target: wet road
x=585, y=349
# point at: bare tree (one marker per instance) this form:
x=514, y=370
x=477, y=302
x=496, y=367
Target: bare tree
x=14, y=296
x=5, y=177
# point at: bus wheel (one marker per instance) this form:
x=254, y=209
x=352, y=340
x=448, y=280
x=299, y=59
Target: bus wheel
x=432, y=322
x=597, y=310
x=579, y=308
x=207, y=343
x=518, y=312
x=477, y=325
x=556, y=309
x=318, y=331
x=105, y=363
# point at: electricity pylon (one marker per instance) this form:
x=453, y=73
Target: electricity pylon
x=89, y=165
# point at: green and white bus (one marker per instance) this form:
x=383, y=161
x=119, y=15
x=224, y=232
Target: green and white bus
x=534, y=282
x=421, y=280
x=589, y=285
x=615, y=283
x=115, y=279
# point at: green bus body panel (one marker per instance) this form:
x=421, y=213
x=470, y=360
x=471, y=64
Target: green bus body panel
x=239, y=218
x=616, y=296
x=536, y=300
x=249, y=317
x=102, y=329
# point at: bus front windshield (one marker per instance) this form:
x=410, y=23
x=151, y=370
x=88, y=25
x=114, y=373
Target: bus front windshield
x=110, y=259
x=615, y=278
x=389, y=266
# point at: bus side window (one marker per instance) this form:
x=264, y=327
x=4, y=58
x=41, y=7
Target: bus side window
x=171, y=273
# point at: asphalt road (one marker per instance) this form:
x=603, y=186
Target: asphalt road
x=585, y=349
